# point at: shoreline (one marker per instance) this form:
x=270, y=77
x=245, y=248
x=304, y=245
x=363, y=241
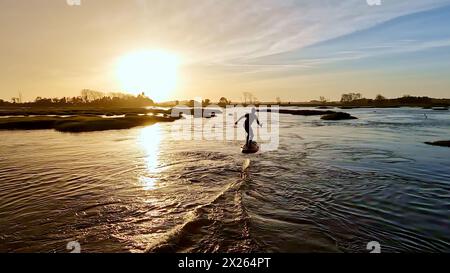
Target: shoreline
x=89, y=119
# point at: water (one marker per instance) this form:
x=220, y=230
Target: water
x=331, y=186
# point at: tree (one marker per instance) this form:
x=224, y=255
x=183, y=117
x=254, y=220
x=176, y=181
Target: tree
x=380, y=97
x=206, y=102
x=91, y=95
x=349, y=97
x=248, y=97
x=278, y=99
x=193, y=103
x=323, y=99
x=223, y=101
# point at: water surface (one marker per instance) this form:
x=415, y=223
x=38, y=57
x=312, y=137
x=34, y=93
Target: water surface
x=331, y=186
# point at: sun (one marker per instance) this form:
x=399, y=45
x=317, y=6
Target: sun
x=153, y=72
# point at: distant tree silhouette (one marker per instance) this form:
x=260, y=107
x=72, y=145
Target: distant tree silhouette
x=206, y=102
x=91, y=95
x=94, y=98
x=223, y=101
x=90, y=98
x=380, y=97
x=248, y=97
x=407, y=99
x=357, y=100
x=193, y=103
x=350, y=97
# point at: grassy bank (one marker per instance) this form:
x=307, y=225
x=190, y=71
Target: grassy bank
x=326, y=115
x=79, y=124
x=338, y=116
x=77, y=111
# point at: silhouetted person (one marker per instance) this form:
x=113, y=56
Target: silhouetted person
x=249, y=119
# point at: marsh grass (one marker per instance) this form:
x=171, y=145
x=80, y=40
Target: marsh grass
x=76, y=111
x=338, y=116
x=78, y=124
x=442, y=143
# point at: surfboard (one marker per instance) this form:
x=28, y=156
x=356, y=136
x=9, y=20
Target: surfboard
x=251, y=149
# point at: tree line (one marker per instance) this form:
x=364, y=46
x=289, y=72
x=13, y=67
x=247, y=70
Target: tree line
x=358, y=100
x=95, y=98
x=89, y=98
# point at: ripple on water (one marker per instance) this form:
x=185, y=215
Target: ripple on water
x=330, y=187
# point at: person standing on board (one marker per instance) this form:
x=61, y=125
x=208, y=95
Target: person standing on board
x=249, y=119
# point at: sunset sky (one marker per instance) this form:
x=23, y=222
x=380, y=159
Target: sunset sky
x=294, y=49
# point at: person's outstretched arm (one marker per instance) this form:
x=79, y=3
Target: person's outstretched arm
x=257, y=121
x=239, y=120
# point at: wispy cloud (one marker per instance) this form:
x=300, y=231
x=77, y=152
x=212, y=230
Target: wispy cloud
x=237, y=30
x=406, y=34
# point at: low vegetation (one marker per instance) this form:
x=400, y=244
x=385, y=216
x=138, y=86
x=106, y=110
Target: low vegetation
x=80, y=124
x=338, y=116
x=79, y=111
x=442, y=143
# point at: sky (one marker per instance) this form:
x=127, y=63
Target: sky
x=297, y=50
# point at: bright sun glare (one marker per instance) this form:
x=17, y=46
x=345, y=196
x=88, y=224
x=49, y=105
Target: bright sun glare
x=151, y=72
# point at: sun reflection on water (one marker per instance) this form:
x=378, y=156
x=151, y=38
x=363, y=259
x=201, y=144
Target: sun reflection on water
x=150, y=139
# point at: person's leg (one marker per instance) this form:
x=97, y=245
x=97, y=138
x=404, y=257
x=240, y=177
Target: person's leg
x=247, y=131
x=250, y=136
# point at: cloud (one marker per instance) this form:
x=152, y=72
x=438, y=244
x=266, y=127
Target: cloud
x=420, y=31
x=224, y=31
x=51, y=43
